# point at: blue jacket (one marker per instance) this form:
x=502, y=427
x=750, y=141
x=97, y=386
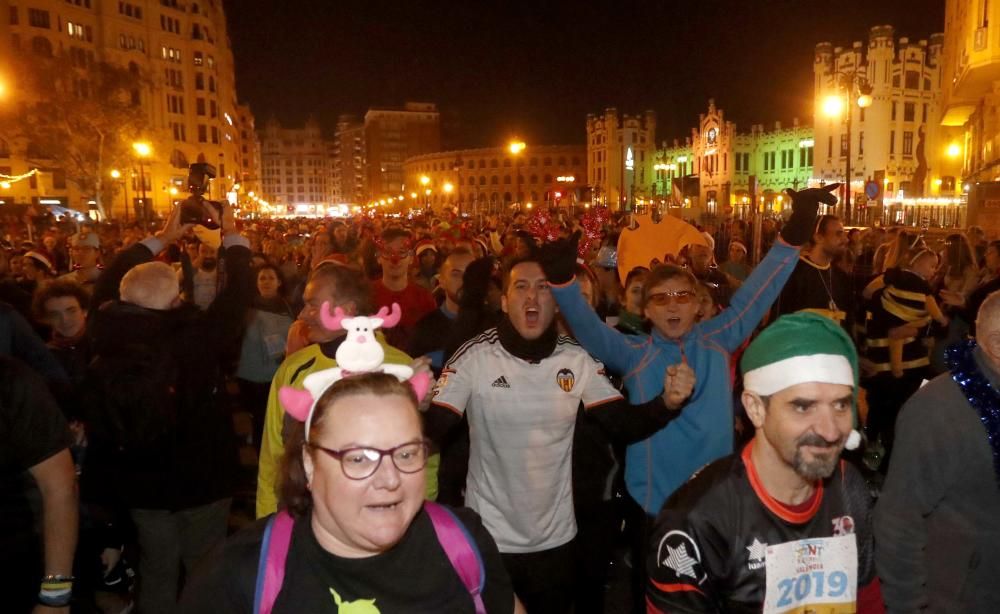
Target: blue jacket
x=703, y=432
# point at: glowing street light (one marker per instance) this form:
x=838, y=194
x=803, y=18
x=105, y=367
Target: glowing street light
x=516, y=147
x=954, y=150
x=142, y=149
x=116, y=174
x=424, y=180
x=447, y=187
x=833, y=106
x=413, y=195
x=5, y=185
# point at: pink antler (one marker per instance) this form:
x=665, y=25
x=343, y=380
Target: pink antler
x=388, y=321
x=296, y=402
x=421, y=383
x=331, y=322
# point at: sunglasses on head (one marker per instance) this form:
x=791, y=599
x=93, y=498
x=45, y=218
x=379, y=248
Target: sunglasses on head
x=681, y=297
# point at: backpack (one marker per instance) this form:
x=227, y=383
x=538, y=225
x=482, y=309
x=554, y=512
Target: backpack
x=133, y=392
x=451, y=533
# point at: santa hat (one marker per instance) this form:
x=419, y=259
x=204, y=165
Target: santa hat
x=738, y=245
x=42, y=260
x=423, y=246
x=799, y=348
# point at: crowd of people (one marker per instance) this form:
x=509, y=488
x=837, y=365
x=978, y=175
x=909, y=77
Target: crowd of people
x=457, y=413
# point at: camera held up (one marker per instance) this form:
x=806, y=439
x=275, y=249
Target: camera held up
x=196, y=209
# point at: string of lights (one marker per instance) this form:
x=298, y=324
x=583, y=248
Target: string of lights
x=7, y=180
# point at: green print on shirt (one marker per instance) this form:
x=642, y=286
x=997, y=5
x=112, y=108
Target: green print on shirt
x=361, y=606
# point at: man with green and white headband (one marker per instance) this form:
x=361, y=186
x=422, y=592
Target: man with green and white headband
x=785, y=524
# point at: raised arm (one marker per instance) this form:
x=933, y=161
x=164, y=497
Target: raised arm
x=751, y=302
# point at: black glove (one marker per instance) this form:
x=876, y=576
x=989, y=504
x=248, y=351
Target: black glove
x=802, y=224
x=558, y=259
x=476, y=283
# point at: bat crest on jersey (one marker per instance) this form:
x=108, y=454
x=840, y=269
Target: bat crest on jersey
x=566, y=379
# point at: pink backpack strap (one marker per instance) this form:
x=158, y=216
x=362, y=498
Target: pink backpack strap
x=461, y=550
x=271, y=564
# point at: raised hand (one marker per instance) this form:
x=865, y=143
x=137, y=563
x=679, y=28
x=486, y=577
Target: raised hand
x=678, y=385
x=802, y=224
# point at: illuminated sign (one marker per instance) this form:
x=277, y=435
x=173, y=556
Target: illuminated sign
x=629, y=159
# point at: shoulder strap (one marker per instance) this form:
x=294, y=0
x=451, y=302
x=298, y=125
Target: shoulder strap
x=271, y=564
x=461, y=550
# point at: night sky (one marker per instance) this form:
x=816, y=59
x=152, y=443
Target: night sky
x=535, y=69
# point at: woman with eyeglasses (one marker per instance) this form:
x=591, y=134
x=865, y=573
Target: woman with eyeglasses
x=362, y=538
x=703, y=431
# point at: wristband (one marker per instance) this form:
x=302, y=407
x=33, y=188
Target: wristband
x=56, y=591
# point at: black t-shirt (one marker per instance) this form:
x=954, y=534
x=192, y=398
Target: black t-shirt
x=414, y=576
x=708, y=548
x=32, y=429
x=817, y=288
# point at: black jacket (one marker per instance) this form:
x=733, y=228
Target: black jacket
x=200, y=460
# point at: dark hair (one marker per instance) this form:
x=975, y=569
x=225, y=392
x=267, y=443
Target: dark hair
x=635, y=273
x=269, y=266
x=293, y=487
x=349, y=285
x=960, y=255
x=595, y=285
x=509, y=268
x=666, y=272
x=391, y=234
x=822, y=222
x=57, y=288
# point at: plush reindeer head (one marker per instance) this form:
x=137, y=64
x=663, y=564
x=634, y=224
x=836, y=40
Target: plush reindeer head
x=359, y=353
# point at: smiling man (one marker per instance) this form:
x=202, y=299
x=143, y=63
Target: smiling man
x=784, y=525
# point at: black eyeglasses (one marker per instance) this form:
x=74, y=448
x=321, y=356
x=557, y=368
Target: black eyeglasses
x=362, y=463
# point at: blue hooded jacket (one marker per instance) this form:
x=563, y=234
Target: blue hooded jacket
x=657, y=466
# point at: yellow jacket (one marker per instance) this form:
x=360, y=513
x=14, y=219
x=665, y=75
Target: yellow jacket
x=291, y=372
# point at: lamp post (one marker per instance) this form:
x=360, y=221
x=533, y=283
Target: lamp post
x=856, y=90
x=117, y=176
x=143, y=150
x=516, y=148
x=425, y=181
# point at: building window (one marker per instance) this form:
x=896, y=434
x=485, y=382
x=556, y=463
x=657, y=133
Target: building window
x=829, y=147
x=892, y=142
x=506, y=162
x=200, y=106
x=861, y=143
x=907, y=143
x=924, y=115
x=199, y=81
x=912, y=80
x=199, y=58
x=506, y=179
x=202, y=133
x=909, y=111
x=894, y=111
x=38, y=18
x=843, y=145
x=13, y=16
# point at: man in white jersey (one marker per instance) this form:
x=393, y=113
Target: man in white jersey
x=520, y=385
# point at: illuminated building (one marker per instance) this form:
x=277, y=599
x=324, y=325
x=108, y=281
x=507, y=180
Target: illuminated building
x=349, y=161
x=619, y=151
x=487, y=179
x=709, y=174
x=391, y=137
x=892, y=92
x=296, y=165
x=190, y=99
x=970, y=130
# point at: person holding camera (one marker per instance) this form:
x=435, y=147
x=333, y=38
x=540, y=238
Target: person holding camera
x=153, y=400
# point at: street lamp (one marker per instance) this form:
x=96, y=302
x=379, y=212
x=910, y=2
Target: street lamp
x=954, y=150
x=143, y=150
x=517, y=147
x=448, y=188
x=853, y=87
x=117, y=176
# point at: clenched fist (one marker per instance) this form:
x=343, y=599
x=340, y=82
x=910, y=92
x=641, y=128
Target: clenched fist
x=678, y=384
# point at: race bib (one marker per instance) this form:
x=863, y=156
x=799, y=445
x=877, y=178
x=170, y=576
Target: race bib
x=812, y=576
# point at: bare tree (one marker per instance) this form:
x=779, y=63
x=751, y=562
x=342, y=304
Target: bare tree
x=78, y=116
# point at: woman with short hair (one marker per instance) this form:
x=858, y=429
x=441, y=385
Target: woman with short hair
x=361, y=534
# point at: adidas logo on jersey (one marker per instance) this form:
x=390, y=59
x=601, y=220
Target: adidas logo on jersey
x=501, y=382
